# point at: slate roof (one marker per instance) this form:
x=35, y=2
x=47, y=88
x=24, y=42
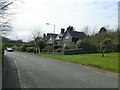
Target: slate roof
x=75, y=34
x=51, y=35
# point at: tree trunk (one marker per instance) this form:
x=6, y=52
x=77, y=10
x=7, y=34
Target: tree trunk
x=102, y=54
x=104, y=51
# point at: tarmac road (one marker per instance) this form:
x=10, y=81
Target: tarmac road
x=30, y=71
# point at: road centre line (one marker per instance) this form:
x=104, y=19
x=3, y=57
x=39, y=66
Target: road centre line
x=24, y=56
x=43, y=64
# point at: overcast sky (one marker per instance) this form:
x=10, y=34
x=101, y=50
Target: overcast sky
x=78, y=13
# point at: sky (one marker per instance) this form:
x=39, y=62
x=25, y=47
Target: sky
x=34, y=14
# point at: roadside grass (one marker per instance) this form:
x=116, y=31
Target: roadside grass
x=109, y=62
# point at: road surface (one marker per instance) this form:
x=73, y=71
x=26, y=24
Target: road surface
x=0, y=76
x=30, y=71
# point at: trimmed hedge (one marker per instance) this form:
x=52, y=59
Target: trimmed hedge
x=117, y=47
x=30, y=49
x=72, y=51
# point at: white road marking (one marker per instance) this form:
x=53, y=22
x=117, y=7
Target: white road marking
x=43, y=64
x=24, y=56
x=21, y=85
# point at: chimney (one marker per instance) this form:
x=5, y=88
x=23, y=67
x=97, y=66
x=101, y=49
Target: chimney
x=44, y=35
x=48, y=34
x=62, y=30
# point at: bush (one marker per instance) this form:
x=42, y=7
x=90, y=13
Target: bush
x=76, y=51
x=23, y=48
x=67, y=47
x=116, y=47
x=49, y=48
x=78, y=43
x=44, y=50
x=59, y=50
x=3, y=47
x=57, y=46
x=89, y=47
x=16, y=48
x=30, y=49
x=1, y=50
x=69, y=52
x=70, y=46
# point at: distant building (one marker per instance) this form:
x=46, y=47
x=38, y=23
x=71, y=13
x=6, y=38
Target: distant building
x=49, y=38
x=58, y=39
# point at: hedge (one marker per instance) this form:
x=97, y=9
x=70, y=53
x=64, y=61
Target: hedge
x=30, y=49
x=76, y=51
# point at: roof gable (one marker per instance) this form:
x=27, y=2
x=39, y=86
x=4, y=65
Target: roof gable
x=75, y=34
x=51, y=35
x=57, y=38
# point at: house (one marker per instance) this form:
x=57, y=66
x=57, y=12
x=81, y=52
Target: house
x=71, y=36
x=50, y=38
x=64, y=38
x=58, y=39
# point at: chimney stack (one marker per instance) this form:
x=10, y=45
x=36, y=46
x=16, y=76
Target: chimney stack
x=44, y=35
x=62, y=30
x=48, y=34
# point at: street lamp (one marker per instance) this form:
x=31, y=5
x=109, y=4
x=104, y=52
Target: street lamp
x=53, y=35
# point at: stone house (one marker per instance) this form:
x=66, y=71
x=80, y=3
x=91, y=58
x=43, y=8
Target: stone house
x=64, y=38
x=58, y=39
x=71, y=36
x=50, y=38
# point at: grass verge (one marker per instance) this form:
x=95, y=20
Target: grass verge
x=109, y=62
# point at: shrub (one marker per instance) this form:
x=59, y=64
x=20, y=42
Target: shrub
x=76, y=51
x=57, y=46
x=30, y=49
x=66, y=47
x=78, y=43
x=89, y=47
x=70, y=46
x=44, y=50
x=59, y=50
x=16, y=48
x=116, y=47
x=69, y=52
x=49, y=48
x=23, y=48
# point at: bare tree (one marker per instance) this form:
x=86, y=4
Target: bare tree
x=36, y=36
x=86, y=30
x=106, y=43
x=93, y=30
x=5, y=16
x=36, y=33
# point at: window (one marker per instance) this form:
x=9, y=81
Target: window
x=50, y=39
x=64, y=45
x=67, y=37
